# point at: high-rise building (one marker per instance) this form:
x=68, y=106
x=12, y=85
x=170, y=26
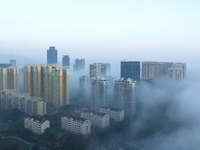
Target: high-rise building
x=99, y=93
x=66, y=61
x=130, y=69
x=125, y=95
x=13, y=62
x=50, y=82
x=177, y=71
x=52, y=56
x=97, y=70
x=9, y=78
x=79, y=64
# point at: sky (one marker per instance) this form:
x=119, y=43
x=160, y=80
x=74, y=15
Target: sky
x=102, y=30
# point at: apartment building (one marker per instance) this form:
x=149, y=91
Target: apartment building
x=114, y=113
x=50, y=82
x=36, y=124
x=9, y=78
x=97, y=119
x=76, y=125
x=10, y=99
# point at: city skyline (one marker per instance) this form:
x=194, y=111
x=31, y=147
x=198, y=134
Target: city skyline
x=114, y=30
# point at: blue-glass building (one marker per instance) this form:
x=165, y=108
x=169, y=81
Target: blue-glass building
x=130, y=69
x=66, y=61
x=52, y=56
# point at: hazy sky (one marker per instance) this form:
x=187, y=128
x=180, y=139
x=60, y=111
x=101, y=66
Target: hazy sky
x=102, y=30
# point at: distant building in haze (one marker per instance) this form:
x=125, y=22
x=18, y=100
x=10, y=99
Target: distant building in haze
x=177, y=71
x=52, y=56
x=13, y=62
x=99, y=93
x=97, y=70
x=66, y=61
x=5, y=65
x=79, y=64
x=154, y=70
x=130, y=69
x=83, y=88
x=125, y=95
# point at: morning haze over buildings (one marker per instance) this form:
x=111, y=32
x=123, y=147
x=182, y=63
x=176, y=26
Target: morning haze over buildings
x=99, y=75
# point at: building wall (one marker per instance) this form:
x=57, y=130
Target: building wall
x=115, y=114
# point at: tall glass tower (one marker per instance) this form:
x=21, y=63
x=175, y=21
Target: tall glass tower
x=52, y=56
x=66, y=61
x=130, y=69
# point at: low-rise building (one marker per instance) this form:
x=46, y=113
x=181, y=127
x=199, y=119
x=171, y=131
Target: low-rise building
x=97, y=119
x=114, y=113
x=36, y=124
x=76, y=125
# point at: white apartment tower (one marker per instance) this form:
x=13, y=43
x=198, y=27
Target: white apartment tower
x=125, y=95
x=99, y=93
x=97, y=70
x=177, y=71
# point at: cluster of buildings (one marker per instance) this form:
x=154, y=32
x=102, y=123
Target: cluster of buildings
x=77, y=125
x=10, y=99
x=34, y=87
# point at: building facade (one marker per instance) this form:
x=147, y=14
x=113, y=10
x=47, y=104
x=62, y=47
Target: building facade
x=76, y=125
x=9, y=78
x=130, y=69
x=114, y=113
x=52, y=56
x=10, y=99
x=36, y=124
x=99, y=93
x=97, y=119
x=125, y=95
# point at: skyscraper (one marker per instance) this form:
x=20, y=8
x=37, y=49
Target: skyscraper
x=66, y=61
x=125, y=95
x=99, y=93
x=52, y=56
x=130, y=69
x=97, y=70
x=79, y=64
